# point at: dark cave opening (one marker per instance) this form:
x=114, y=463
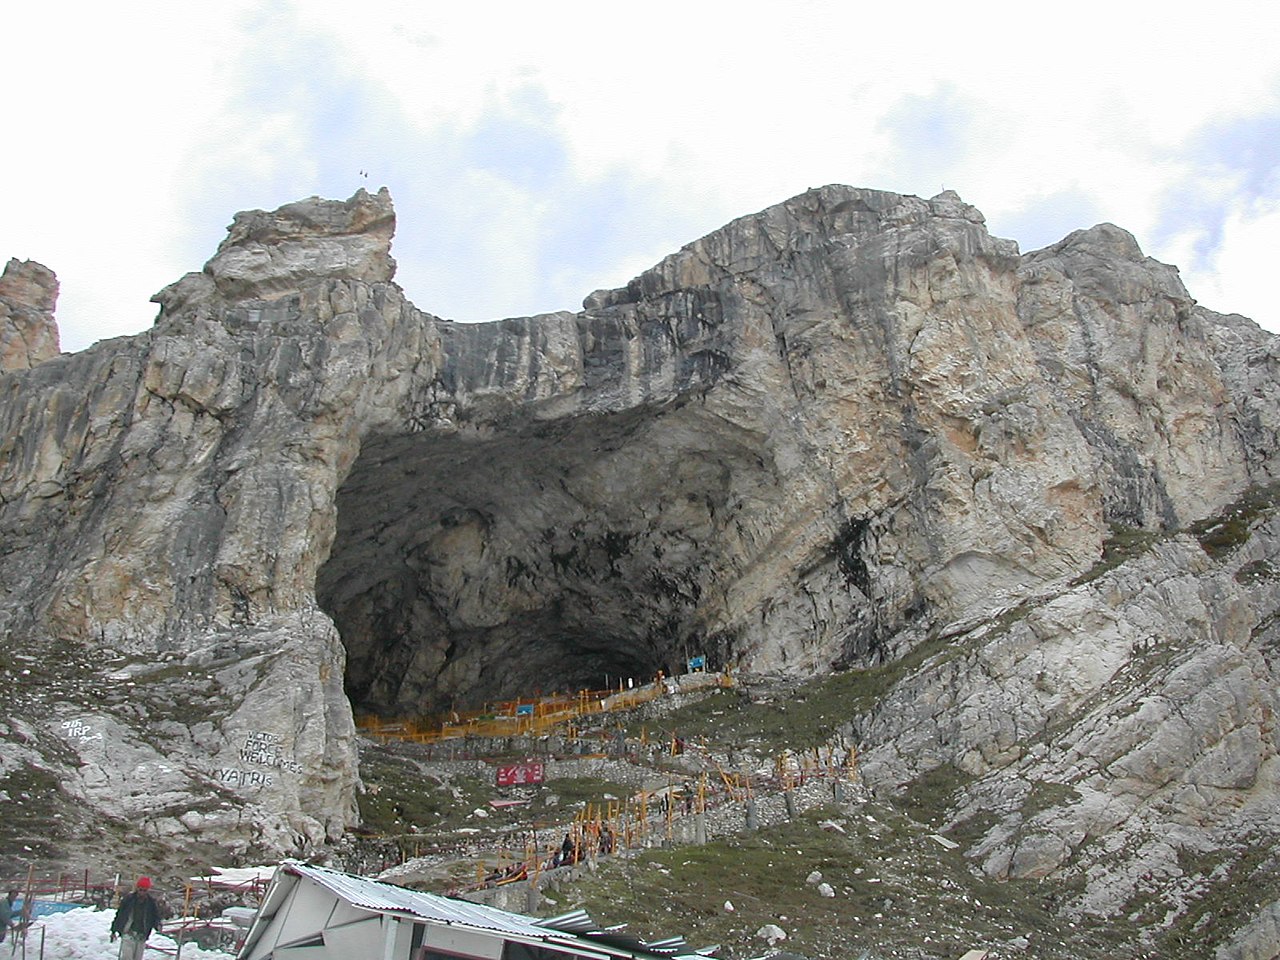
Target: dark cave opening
x=551, y=557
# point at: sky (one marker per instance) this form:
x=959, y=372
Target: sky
x=537, y=152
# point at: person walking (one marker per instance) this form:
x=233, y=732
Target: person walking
x=138, y=916
x=7, y=918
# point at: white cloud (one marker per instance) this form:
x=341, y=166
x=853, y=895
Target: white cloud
x=1237, y=279
x=93, y=188
x=661, y=121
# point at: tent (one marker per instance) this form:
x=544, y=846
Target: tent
x=313, y=913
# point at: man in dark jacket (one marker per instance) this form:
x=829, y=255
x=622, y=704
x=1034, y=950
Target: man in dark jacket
x=139, y=914
x=7, y=916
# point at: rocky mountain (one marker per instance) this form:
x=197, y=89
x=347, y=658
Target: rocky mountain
x=853, y=430
x=28, y=332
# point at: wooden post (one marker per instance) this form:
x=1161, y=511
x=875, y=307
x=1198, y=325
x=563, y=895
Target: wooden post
x=186, y=912
x=700, y=822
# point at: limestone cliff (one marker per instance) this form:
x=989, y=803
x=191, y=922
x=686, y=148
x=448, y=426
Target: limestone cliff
x=845, y=428
x=28, y=333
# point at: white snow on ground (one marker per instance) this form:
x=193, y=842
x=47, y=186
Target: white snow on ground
x=85, y=934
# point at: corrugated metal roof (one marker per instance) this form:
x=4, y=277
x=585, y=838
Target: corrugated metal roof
x=575, y=921
x=623, y=941
x=565, y=929
x=579, y=923
x=375, y=895
x=669, y=945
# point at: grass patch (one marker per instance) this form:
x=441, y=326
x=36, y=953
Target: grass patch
x=1045, y=795
x=1218, y=535
x=1257, y=571
x=897, y=893
x=969, y=831
x=579, y=791
x=27, y=832
x=1222, y=534
x=999, y=625
x=398, y=795
x=927, y=797
x=802, y=717
x=399, y=798
x=1234, y=897
x=34, y=678
x=1120, y=547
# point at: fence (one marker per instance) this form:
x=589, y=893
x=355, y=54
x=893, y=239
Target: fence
x=533, y=716
x=200, y=920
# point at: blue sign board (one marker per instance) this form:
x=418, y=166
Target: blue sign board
x=698, y=663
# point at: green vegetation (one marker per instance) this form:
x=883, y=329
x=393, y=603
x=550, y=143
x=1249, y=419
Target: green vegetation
x=801, y=718
x=1257, y=571
x=32, y=679
x=1000, y=625
x=969, y=831
x=1222, y=534
x=1219, y=535
x=927, y=797
x=182, y=702
x=26, y=826
x=895, y=888
x=578, y=791
x=1235, y=889
x=398, y=796
x=1046, y=796
x=1124, y=544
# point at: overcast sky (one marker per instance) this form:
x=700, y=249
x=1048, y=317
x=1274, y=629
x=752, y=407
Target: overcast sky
x=538, y=151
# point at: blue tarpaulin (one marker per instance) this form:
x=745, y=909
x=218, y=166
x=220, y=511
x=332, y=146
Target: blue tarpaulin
x=43, y=908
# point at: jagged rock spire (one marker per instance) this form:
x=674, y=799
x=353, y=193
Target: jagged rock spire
x=28, y=332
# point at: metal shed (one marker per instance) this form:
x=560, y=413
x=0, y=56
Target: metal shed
x=313, y=913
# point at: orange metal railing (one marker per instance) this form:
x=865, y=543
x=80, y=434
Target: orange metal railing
x=532, y=716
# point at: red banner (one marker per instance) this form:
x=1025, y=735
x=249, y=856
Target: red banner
x=519, y=774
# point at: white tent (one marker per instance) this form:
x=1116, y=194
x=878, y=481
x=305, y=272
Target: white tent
x=312, y=913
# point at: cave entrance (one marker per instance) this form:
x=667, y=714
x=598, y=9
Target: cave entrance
x=553, y=557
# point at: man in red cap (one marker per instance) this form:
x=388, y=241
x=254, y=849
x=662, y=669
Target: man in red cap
x=139, y=914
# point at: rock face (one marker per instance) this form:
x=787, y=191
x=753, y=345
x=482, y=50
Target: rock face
x=28, y=333
x=849, y=428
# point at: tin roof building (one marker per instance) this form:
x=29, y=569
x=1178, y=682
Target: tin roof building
x=313, y=913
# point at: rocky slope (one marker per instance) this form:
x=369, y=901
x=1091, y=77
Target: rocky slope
x=849, y=429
